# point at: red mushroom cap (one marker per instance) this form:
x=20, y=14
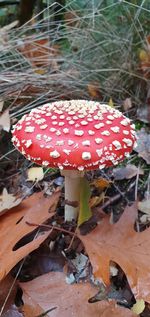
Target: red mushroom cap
x=76, y=134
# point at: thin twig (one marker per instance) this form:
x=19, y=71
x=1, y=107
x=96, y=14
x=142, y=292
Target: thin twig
x=50, y=227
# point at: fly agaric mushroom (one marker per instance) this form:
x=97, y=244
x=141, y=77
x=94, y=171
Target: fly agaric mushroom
x=74, y=136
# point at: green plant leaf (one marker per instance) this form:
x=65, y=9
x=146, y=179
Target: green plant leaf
x=85, y=193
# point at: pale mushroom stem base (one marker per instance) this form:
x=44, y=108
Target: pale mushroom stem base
x=72, y=193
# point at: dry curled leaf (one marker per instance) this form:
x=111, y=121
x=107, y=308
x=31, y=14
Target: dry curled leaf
x=51, y=291
x=126, y=172
x=13, y=227
x=8, y=201
x=121, y=244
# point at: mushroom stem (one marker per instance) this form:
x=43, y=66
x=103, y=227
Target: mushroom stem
x=72, y=193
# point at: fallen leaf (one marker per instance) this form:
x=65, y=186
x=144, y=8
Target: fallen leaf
x=40, y=71
x=51, y=291
x=127, y=172
x=144, y=206
x=111, y=103
x=96, y=200
x=144, y=57
x=35, y=174
x=80, y=263
x=8, y=201
x=144, y=218
x=9, y=26
x=121, y=244
x=138, y=307
x=143, y=145
x=39, y=52
x=101, y=183
x=13, y=227
x=127, y=104
x=1, y=104
x=5, y=120
x=143, y=113
x=13, y=312
x=94, y=90
x=5, y=286
x=71, y=18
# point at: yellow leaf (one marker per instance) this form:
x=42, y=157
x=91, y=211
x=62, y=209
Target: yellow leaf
x=94, y=89
x=138, y=307
x=111, y=103
x=96, y=200
x=101, y=183
x=40, y=71
x=85, y=193
x=143, y=55
x=35, y=174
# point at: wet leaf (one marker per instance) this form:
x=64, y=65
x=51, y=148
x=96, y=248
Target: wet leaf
x=143, y=145
x=13, y=227
x=35, y=174
x=51, y=290
x=121, y=244
x=126, y=172
x=8, y=201
x=85, y=193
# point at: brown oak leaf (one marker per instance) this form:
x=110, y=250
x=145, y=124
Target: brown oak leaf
x=50, y=292
x=121, y=244
x=13, y=227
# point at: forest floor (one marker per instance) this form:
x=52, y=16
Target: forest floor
x=49, y=267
